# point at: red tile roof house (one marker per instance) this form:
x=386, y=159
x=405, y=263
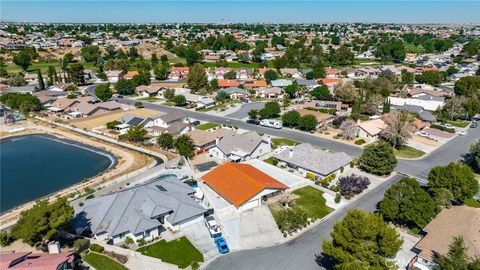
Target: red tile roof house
x=176, y=73
x=242, y=185
x=227, y=83
x=35, y=261
x=148, y=90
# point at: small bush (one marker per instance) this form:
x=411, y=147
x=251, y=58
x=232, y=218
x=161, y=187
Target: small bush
x=338, y=197
x=310, y=176
x=97, y=248
x=6, y=239
x=442, y=128
x=291, y=220
x=342, y=169
x=360, y=142
x=336, y=137
x=352, y=185
x=128, y=240
x=325, y=182
x=141, y=242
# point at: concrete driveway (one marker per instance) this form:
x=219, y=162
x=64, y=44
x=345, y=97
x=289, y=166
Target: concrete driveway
x=249, y=229
x=243, y=111
x=198, y=234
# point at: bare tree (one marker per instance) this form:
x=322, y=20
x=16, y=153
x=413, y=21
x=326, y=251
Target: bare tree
x=286, y=199
x=454, y=107
x=400, y=126
x=346, y=93
x=349, y=129
x=372, y=104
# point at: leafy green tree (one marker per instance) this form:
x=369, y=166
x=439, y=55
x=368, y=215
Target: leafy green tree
x=431, y=77
x=41, y=83
x=270, y=75
x=308, y=122
x=291, y=119
x=457, y=257
x=459, y=179
x=23, y=102
x=443, y=197
x=346, y=93
x=42, y=221
x=408, y=78
x=142, y=78
x=3, y=68
x=179, y=100
x=378, y=158
x=52, y=74
x=271, y=110
x=184, y=146
x=472, y=48
x=362, y=241
x=169, y=94
x=468, y=86
x=344, y=56
x=154, y=59
x=321, y=93
x=90, y=53
x=76, y=74
x=135, y=133
x=214, y=84
x=197, y=78
x=103, y=91
x=473, y=157
x=161, y=72
x=230, y=75
x=192, y=56
x=407, y=203
x=292, y=90
x=221, y=96
x=125, y=87
x=6, y=238
x=22, y=59
x=165, y=140
x=253, y=114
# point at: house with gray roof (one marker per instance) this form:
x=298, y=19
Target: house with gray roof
x=237, y=147
x=139, y=212
x=305, y=158
x=281, y=83
x=422, y=114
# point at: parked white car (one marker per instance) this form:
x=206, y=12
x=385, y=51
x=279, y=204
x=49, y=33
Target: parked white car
x=212, y=226
x=462, y=132
x=449, y=126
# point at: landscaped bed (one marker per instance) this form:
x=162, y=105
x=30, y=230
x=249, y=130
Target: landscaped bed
x=180, y=252
x=276, y=142
x=207, y=126
x=408, y=152
x=102, y=262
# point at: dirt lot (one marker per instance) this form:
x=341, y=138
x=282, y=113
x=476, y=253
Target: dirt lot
x=101, y=120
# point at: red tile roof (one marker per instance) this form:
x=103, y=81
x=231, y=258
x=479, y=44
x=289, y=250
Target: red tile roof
x=227, y=83
x=330, y=80
x=238, y=183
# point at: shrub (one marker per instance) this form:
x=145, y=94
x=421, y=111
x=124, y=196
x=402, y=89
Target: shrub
x=310, y=176
x=378, y=158
x=97, y=248
x=338, y=197
x=352, y=185
x=79, y=243
x=352, y=164
x=336, y=137
x=325, y=182
x=141, y=242
x=128, y=240
x=291, y=220
x=442, y=128
x=6, y=239
x=342, y=169
x=360, y=142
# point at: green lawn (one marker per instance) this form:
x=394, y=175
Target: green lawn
x=312, y=202
x=149, y=99
x=408, y=152
x=271, y=160
x=168, y=103
x=276, y=142
x=43, y=66
x=460, y=124
x=233, y=65
x=472, y=203
x=411, y=48
x=102, y=262
x=180, y=252
x=207, y=126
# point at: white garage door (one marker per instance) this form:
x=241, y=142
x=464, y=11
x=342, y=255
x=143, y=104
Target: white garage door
x=250, y=204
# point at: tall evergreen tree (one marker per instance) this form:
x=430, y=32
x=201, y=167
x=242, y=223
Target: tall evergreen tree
x=41, y=83
x=378, y=158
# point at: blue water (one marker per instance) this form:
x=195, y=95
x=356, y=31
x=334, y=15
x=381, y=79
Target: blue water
x=261, y=11
x=34, y=166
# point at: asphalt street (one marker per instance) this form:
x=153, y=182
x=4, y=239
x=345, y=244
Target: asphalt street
x=301, y=253
x=243, y=112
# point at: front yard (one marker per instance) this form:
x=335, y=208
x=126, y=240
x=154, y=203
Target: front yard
x=405, y=151
x=180, y=252
x=311, y=201
x=102, y=262
x=207, y=126
x=276, y=142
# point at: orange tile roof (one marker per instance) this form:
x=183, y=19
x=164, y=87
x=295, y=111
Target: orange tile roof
x=332, y=71
x=423, y=69
x=238, y=183
x=131, y=74
x=330, y=80
x=227, y=83
x=255, y=83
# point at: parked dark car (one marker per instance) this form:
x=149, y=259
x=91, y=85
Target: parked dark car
x=244, y=100
x=473, y=125
x=252, y=121
x=221, y=245
x=196, y=123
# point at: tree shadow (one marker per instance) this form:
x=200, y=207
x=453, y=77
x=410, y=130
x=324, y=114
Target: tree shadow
x=324, y=261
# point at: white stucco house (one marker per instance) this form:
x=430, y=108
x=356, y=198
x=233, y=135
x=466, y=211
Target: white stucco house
x=240, y=147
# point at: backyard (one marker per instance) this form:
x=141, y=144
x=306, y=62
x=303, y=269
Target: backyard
x=180, y=252
x=102, y=262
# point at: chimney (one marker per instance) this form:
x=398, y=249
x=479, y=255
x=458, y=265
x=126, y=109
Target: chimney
x=290, y=153
x=217, y=140
x=54, y=247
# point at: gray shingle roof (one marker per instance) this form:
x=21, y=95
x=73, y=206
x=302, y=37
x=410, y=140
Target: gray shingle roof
x=138, y=208
x=313, y=159
x=233, y=142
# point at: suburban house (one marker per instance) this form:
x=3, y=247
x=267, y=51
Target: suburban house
x=427, y=102
x=175, y=123
x=322, y=118
x=199, y=101
x=269, y=92
x=305, y=158
x=242, y=185
x=423, y=114
x=114, y=75
x=326, y=104
x=203, y=140
x=240, y=147
x=148, y=90
x=64, y=104
x=31, y=78
x=27, y=89
x=309, y=84
x=130, y=74
x=254, y=84
x=168, y=119
x=330, y=82
x=439, y=233
x=60, y=87
x=236, y=93
x=291, y=72
x=40, y=261
x=370, y=129
x=139, y=212
x=84, y=109
x=176, y=73
x=220, y=71
x=281, y=83
x=244, y=73
x=228, y=83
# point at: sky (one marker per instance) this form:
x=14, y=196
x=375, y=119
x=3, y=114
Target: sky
x=231, y=11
